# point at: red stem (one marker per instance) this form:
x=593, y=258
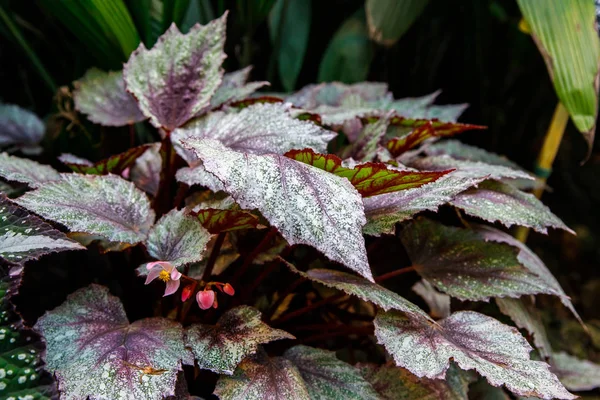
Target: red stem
x=392, y=274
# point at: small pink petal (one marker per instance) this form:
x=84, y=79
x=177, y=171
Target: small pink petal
x=153, y=274
x=172, y=287
x=125, y=173
x=205, y=299
x=175, y=275
x=163, y=265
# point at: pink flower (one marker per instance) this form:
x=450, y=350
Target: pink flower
x=166, y=273
x=205, y=299
x=228, y=289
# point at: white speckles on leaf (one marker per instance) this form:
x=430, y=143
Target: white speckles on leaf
x=26, y=171
x=20, y=127
x=235, y=87
x=574, y=373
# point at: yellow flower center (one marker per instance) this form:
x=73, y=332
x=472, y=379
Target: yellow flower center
x=164, y=276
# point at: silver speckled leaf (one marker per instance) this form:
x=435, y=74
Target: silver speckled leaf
x=239, y=332
x=574, y=373
x=464, y=265
x=94, y=351
x=102, y=97
x=307, y=205
x=25, y=237
x=501, y=202
x=105, y=205
x=473, y=341
x=19, y=127
x=145, y=173
x=175, y=79
x=177, y=238
x=260, y=377
x=438, y=303
x=328, y=378
x=234, y=87
x=26, y=171
x=367, y=143
x=198, y=175
x=334, y=93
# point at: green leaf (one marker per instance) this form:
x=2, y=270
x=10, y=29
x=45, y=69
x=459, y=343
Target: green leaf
x=289, y=26
x=217, y=221
x=390, y=19
x=574, y=373
x=173, y=12
x=114, y=164
x=565, y=33
x=26, y=171
x=237, y=334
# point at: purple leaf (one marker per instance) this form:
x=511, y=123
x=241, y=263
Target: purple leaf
x=234, y=87
x=574, y=373
x=239, y=332
x=307, y=205
x=102, y=97
x=20, y=127
x=26, y=171
x=94, y=351
x=473, y=341
x=176, y=79
x=145, y=173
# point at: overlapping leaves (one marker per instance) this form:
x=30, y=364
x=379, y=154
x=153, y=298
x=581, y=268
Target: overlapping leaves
x=114, y=164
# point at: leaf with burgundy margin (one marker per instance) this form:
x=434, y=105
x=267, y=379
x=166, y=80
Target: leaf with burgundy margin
x=105, y=205
x=235, y=87
x=473, y=341
x=369, y=179
x=20, y=127
x=501, y=202
x=217, y=221
x=177, y=238
x=464, y=265
x=261, y=377
x=176, y=79
x=328, y=378
x=307, y=205
x=395, y=383
x=574, y=373
x=26, y=171
x=94, y=351
x=114, y=164
x=102, y=97
x=237, y=334
x=145, y=172
x=25, y=237
x=438, y=303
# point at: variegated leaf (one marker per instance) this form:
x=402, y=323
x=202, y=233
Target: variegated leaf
x=177, y=238
x=105, y=205
x=366, y=145
x=333, y=93
x=473, y=341
x=102, y=97
x=176, y=79
x=20, y=127
x=307, y=205
x=198, y=175
x=26, y=171
x=235, y=87
x=114, y=164
x=94, y=351
x=145, y=172
x=25, y=237
x=574, y=373
x=217, y=221
x=239, y=332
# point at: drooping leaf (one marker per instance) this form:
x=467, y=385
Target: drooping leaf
x=262, y=377
x=177, y=238
x=464, y=265
x=25, y=237
x=235, y=87
x=328, y=378
x=217, y=221
x=500, y=202
x=94, y=351
x=102, y=97
x=105, y=205
x=369, y=179
x=114, y=164
x=20, y=127
x=389, y=20
x=395, y=383
x=26, y=171
x=239, y=332
x=145, y=172
x=574, y=373
x=307, y=205
x=175, y=79
x=438, y=303
x=473, y=341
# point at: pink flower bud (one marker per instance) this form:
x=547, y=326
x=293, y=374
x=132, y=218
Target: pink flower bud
x=205, y=299
x=227, y=288
x=186, y=293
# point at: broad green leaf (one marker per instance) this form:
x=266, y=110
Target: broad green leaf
x=237, y=334
x=395, y=383
x=567, y=37
x=261, y=377
x=438, y=303
x=500, y=202
x=235, y=87
x=473, y=341
x=25, y=237
x=177, y=238
x=26, y=171
x=289, y=27
x=328, y=378
x=369, y=179
x=145, y=172
x=389, y=19
x=94, y=351
x=307, y=205
x=464, y=265
x=574, y=373
x=102, y=97
x=105, y=205
x=20, y=128
x=217, y=221
x=176, y=78
x=114, y=164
